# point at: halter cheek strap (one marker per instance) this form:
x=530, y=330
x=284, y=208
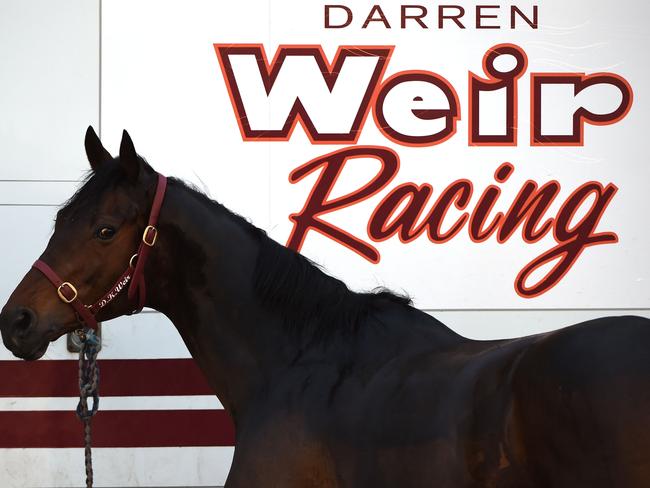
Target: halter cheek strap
x=134, y=273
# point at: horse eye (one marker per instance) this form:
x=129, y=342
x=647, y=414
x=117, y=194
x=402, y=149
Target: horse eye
x=105, y=233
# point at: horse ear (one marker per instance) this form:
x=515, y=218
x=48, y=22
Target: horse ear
x=95, y=151
x=129, y=158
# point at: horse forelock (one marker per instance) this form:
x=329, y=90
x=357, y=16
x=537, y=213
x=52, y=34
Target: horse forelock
x=94, y=186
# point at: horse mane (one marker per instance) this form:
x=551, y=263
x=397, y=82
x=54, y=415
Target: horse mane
x=287, y=283
x=295, y=288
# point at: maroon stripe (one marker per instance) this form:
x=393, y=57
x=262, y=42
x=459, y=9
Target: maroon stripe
x=118, y=377
x=117, y=428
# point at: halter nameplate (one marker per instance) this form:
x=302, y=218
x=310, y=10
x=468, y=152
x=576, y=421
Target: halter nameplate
x=111, y=295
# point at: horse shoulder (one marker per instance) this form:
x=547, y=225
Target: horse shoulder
x=278, y=451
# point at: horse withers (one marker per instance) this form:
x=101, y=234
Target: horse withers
x=332, y=388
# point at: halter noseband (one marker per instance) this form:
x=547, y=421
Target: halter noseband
x=134, y=273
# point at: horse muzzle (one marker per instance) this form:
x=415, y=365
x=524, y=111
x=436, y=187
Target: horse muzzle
x=18, y=326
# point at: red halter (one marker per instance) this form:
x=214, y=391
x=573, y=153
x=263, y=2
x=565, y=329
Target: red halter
x=134, y=272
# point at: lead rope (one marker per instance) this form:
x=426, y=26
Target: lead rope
x=88, y=388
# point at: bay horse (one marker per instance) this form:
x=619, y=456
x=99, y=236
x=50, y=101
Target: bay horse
x=332, y=388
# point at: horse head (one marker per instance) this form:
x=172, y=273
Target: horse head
x=95, y=236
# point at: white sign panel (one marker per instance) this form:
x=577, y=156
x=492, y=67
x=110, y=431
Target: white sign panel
x=473, y=156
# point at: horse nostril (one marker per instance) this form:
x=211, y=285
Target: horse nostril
x=24, y=319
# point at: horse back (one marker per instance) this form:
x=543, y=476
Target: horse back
x=581, y=409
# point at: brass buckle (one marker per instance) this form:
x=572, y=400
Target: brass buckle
x=62, y=296
x=155, y=235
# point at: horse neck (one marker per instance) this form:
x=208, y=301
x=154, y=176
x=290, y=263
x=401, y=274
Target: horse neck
x=200, y=277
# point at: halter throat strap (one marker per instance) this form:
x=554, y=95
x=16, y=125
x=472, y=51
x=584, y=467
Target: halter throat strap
x=133, y=276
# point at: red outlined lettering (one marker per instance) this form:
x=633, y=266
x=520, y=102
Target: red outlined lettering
x=485, y=204
x=381, y=228
x=530, y=205
x=497, y=80
x=269, y=72
x=572, y=241
x=380, y=225
x=398, y=214
x=318, y=202
x=458, y=193
x=580, y=82
x=451, y=115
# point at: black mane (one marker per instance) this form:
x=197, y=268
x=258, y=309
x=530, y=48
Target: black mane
x=295, y=288
x=290, y=284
